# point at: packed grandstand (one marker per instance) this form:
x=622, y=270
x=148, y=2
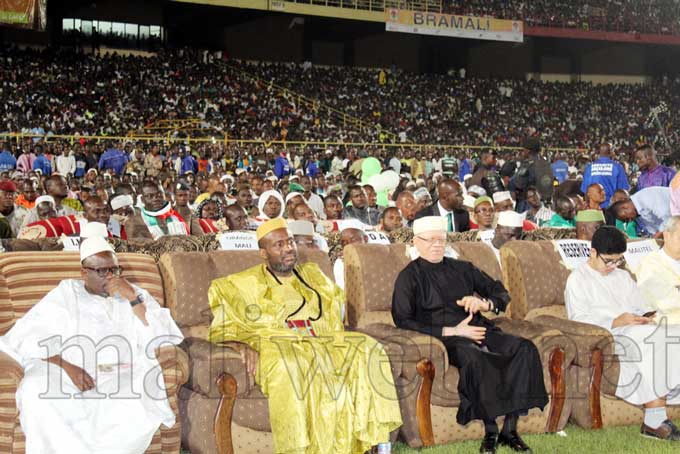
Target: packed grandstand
x=318, y=254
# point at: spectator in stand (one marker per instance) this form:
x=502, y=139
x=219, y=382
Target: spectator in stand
x=606, y=172
x=565, y=212
x=653, y=173
x=42, y=163
x=25, y=161
x=113, y=158
x=65, y=163
x=7, y=160
x=560, y=168
x=282, y=166
x=595, y=196
x=537, y=213
x=449, y=206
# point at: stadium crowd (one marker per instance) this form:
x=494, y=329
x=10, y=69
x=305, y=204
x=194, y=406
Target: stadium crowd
x=648, y=16
x=47, y=92
x=289, y=198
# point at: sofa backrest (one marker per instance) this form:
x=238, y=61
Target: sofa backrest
x=480, y=255
x=188, y=275
x=535, y=277
x=370, y=273
x=26, y=277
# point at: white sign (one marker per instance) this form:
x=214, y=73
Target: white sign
x=486, y=236
x=71, y=243
x=573, y=253
x=377, y=238
x=637, y=250
x=238, y=241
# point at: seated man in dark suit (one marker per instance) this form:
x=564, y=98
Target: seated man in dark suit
x=450, y=206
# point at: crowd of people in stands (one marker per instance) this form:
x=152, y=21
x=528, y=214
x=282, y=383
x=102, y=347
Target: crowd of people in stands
x=57, y=189
x=48, y=92
x=640, y=16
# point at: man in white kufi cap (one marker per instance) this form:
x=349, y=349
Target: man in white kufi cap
x=500, y=374
x=508, y=228
x=86, y=340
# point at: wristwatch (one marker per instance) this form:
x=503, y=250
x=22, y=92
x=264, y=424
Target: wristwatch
x=139, y=299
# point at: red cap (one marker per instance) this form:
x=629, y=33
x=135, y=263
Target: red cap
x=8, y=186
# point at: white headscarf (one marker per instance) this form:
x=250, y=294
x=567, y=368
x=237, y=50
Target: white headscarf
x=263, y=200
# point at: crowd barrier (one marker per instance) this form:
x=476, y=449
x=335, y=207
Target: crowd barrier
x=224, y=140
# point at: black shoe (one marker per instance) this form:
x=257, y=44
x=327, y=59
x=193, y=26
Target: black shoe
x=514, y=442
x=666, y=431
x=489, y=443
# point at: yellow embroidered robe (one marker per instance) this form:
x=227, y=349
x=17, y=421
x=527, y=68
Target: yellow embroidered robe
x=333, y=393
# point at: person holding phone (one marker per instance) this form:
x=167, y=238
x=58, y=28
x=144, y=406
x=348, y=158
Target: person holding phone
x=602, y=294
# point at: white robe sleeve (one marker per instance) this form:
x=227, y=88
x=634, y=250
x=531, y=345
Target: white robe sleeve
x=161, y=329
x=39, y=334
x=578, y=302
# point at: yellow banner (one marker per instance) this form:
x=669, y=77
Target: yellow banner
x=419, y=22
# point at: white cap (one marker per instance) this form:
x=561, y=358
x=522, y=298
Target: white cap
x=226, y=177
x=511, y=218
x=45, y=198
x=351, y=224
x=468, y=201
x=467, y=176
x=92, y=170
x=430, y=224
x=499, y=197
x=480, y=191
x=92, y=246
x=94, y=229
x=301, y=228
x=240, y=171
x=291, y=195
x=121, y=201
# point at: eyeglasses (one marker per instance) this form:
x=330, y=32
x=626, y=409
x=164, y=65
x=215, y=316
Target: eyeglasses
x=613, y=262
x=104, y=271
x=432, y=241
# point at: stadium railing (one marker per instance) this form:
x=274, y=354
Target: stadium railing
x=225, y=140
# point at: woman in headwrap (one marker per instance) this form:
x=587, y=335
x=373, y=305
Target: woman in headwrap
x=210, y=214
x=270, y=205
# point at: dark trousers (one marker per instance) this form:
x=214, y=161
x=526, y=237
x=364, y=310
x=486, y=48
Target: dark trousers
x=503, y=375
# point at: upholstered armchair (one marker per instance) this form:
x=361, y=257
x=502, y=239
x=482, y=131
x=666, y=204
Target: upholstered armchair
x=536, y=279
x=370, y=274
x=25, y=277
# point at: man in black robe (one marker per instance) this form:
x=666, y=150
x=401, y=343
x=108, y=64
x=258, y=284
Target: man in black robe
x=500, y=374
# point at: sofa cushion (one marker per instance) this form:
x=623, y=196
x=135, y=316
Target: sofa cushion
x=480, y=255
x=370, y=273
x=29, y=276
x=188, y=275
x=534, y=276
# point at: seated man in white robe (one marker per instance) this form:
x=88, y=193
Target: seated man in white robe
x=91, y=382
x=600, y=293
x=658, y=275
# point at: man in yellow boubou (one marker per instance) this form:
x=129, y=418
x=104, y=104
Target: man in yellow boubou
x=328, y=390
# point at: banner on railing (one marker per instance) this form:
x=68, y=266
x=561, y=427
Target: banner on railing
x=24, y=13
x=423, y=23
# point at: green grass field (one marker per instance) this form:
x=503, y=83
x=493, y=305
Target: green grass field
x=618, y=440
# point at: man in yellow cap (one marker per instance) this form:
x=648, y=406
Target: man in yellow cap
x=290, y=317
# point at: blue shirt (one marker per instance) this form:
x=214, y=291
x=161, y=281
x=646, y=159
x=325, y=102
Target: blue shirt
x=188, y=164
x=560, y=170
x=465, y=168
x=43, y=164
x=113, y=159
x=281, y=167
x=312, y=169
x=7, y=161
x=609, y=174
x=653, y=205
